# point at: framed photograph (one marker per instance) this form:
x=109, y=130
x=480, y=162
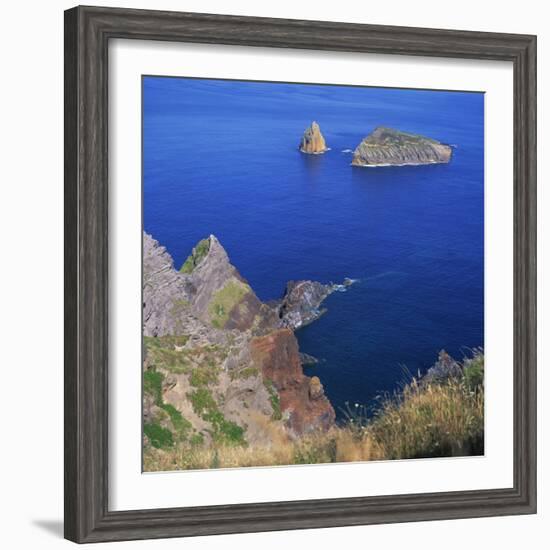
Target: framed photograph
x=299, y=274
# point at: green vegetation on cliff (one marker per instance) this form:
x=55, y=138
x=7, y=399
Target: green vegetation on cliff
x=167, y=425
x=158, y=436
x=170, y=354
x=224, y=431
x=182, y=426
x=388, y=136
x=161, y=436
x=274, y=400
x=225, y=299
x=244, y=373
x=152, y=385
x=196, y=256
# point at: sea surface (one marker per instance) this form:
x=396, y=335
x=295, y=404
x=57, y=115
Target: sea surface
x=222, y=157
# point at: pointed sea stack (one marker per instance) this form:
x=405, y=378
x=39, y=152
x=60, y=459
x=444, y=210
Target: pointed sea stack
x=388, y=147
x=222, y=297
x=313, y=141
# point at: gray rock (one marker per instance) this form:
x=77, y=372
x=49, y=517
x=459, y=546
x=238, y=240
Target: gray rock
x=307, y=359
x=444, y=368
x=166, y=293
x=221, y=296
x=301, y=303
x=387, y=147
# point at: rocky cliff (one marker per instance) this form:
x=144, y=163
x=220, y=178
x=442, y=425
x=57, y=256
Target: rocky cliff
x=388, y=147
x=302, y=398
x=218, y=367
x=313, y=141
x=164, y=290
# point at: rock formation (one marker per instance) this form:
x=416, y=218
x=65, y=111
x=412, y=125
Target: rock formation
x=301, y=303
x=217, y=364
x=388, y=147
x=279, y=359
x=163, y=289
x=444, y=368
x=308, y=360
x=220, y=295
x=313, y=141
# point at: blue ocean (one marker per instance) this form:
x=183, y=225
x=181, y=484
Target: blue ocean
x=222, y=157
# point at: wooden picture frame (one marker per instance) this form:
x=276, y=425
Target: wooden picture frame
x=87, y=34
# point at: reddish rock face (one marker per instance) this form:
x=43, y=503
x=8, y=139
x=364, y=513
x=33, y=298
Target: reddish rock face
x=301, y=397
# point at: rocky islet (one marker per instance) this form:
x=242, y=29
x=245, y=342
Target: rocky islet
x=383, y=147
x=313, y=142
x=389, y=147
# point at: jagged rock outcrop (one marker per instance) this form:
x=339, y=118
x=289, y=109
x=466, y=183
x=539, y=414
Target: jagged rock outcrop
x=313, y=141
x=301, y=302
x=444, y=368
x=302, y=398
x=389, y=147
x=164, y=290
x=316, y=390
x=221, y=296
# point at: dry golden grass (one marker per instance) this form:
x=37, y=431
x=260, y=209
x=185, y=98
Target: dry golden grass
x=337, y=445
x=431, y=421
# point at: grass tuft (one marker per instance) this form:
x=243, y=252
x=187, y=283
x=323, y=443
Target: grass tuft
x=152, y=385
x=158, y=436
x=182, y=426
x=196, y=256
x=224, y=431
x=274, y=400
